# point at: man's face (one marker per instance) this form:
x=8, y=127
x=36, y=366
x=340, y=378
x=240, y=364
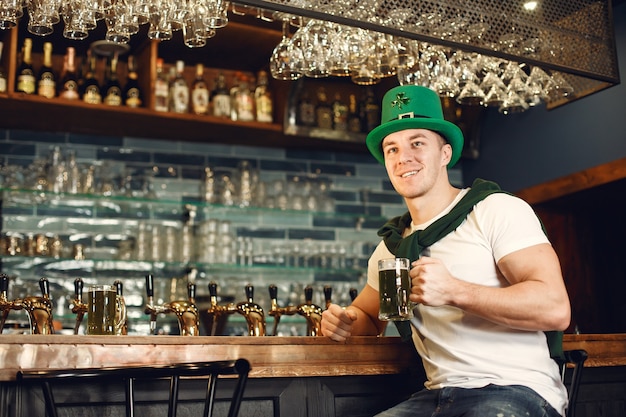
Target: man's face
x=414, y=159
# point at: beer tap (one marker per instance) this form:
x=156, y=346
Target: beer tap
x=328, y=291
x=311, y=312
x=277, y=311
x=39, y=309
x=328, y=295
x=121, y=316
x=79, y=308
x=216, y=311
x=5, y=304
x=185, y=310
x=253, y=313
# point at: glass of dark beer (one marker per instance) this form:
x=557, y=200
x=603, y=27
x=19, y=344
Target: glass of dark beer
x=394, y=289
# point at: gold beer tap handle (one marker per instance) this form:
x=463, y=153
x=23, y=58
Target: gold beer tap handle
x=79, y=308
x=187, y=313
x=121, y=315
x=216, y=311
x=253, y=313
x=150, y=308
x=5, y=305
x=185, y=310
x=311, y=312
x=39, y=309
x=277, y=312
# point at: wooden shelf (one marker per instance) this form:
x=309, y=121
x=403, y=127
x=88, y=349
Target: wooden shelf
x=245, y=44
x=22, y=111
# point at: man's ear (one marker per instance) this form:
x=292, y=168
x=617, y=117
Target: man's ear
x=447, y=153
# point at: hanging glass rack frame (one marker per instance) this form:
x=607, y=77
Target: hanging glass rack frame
x=573, y=38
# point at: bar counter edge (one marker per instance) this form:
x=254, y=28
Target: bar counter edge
x=295, y=356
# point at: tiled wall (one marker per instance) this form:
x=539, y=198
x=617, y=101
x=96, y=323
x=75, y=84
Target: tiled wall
x=360, y=190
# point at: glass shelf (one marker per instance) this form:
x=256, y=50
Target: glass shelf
x=20, y=198
x=73, y=267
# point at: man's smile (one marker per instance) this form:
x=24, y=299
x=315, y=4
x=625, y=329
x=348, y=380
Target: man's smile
x=409, y=174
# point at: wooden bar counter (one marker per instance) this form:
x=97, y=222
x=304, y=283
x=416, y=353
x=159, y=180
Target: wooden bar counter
x=297, y=356
x=290, y=376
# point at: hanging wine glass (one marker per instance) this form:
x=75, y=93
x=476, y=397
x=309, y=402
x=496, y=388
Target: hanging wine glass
x=468, y=69
x=492, y=85
x=513, y=103
x=316, y=48
x=9, y=13
x=286, y=59
x=538, y=83
x=561, y=88
x=340, y=51
x=217, y=16
x=160, y=26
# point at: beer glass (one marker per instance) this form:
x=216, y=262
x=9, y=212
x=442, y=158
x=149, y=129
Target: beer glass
x=394, y=289
x=101, y=309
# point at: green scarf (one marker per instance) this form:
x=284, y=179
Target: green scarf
x=412, y=246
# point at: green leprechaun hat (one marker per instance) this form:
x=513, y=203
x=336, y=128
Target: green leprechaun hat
x=413, y=107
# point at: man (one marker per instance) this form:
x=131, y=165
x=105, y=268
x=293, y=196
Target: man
x=486, y=282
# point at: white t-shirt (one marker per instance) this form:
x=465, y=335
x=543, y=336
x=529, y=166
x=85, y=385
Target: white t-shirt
x=462, y=350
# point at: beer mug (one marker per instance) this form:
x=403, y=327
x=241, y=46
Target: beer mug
x=101, y=309
x=394, y=289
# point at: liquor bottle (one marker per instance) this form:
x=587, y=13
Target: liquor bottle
x=354, y=118
x=132, y=92
x=234, y=89
x=68, y=88
x=91, y=87
x=200, y=92
x=56, y=171
x=221, y=97
x=179, y=90
x=81, y=73
x=340, y=114
x=26, y=82
x=112, y=92
x=161, y=88
x=46, y=84
x=244, y=100
x=371, y=110
x=3, y=74
x=323, y=110
x=263, y=99
x=72, y=183
x=306, y=110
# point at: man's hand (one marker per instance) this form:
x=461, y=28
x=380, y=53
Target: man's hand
x=431, y=282
x=337, y=322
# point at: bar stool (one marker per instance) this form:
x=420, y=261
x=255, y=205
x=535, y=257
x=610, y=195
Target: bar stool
x=576, y=360
x=128, y=374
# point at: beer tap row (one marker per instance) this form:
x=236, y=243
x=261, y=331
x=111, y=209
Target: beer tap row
x=107, y=313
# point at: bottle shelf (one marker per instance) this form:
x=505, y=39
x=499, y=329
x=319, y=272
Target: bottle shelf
x=32, y=112
x=21, y=111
